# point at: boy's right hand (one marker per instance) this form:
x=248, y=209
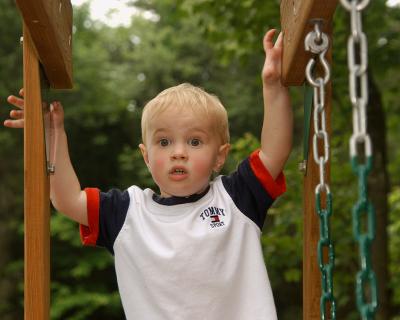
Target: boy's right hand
x=17, y=115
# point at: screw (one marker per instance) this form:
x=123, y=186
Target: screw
x=303, y=166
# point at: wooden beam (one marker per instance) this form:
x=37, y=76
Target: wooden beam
x=36, y=194
x=50, y=25
x=295, y=23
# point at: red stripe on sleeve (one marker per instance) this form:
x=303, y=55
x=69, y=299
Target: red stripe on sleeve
x=90, y=233
x=274, y=187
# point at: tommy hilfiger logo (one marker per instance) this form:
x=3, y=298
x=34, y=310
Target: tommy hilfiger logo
x=214, y=215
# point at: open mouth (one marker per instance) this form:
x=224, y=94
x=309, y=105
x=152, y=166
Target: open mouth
x=178, y=171
x=178, y=174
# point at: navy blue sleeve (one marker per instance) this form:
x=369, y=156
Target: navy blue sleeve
x=113, y=208
x=252, y=188
x=248, y=194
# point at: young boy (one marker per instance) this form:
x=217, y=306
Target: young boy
x=193, y=250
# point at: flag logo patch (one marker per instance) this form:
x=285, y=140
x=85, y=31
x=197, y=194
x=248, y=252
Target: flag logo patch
x=214, y=216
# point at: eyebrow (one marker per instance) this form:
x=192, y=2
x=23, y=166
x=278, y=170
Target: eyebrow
x=196, y=129
x=160, y=130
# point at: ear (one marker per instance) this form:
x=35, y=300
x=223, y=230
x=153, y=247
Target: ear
x=221, y=156
x=145, y=155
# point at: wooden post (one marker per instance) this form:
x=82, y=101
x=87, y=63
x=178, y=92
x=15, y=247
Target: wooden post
x=47, y=42
x=36, y=193
x=296, y=19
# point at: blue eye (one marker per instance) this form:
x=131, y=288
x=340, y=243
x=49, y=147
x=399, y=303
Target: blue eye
x=194, y=142
x=164, y=142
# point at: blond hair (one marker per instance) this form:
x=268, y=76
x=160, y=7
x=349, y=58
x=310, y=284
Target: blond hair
x=188, y=97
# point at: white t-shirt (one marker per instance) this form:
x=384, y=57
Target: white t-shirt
x=189, y=258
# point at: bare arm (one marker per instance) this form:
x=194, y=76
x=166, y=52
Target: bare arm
x=277, y=130
x=65, y=190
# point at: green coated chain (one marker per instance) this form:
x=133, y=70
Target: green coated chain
x=365, y=279
x=363, y=210
x=318, y=43
x=326, y=268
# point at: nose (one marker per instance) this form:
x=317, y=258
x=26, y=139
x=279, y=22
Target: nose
x=179, y=152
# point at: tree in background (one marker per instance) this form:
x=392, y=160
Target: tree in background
x=11, y=165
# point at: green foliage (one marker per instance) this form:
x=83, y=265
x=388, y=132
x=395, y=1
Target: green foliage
x=11, y=164
x=393, y=233
x=79, y=287
x=235, y=27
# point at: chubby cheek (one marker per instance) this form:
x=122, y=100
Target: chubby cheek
x=156, y=158
x=203, y=166
x=157, y=164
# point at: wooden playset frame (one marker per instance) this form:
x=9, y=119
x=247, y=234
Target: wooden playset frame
x=47, y=42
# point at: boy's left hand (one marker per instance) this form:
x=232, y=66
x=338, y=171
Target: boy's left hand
x=271, y=73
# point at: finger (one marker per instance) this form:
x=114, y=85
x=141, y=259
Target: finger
x=21, y=92
x=16, y=114
x=268, y=39
x=56, y=107
x=279, y=41
x=14, y=123
x=57, y=112
x=18, y=102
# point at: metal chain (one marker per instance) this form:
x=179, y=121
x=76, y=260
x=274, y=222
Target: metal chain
x=318, y=43
x=357, y=48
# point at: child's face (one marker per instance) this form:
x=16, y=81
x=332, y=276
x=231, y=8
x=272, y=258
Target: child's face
x=181, y=151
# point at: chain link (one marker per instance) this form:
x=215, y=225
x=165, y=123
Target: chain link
x=366, y=284
x=318, y=43
x=359, y=6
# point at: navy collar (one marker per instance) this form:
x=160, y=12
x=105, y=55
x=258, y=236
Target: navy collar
x=171, y=201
